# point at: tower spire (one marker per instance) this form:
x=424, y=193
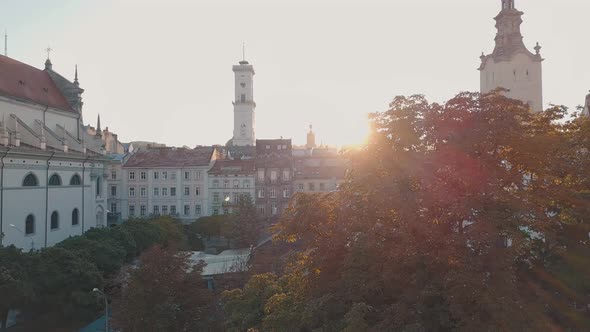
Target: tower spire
x=5, y=42
x=48, y=65
x=76, y=76
x=98, y=130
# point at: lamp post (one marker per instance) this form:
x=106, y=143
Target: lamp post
x=18, y=229
x=106, y=308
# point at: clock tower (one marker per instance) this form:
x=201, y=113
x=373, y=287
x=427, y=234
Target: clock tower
x=244, y=105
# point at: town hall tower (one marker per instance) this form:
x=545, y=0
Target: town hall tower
x=244, y=105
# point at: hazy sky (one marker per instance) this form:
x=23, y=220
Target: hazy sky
x=161, y=70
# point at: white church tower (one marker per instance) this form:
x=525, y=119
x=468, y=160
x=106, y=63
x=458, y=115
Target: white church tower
x=511, y=65
x=244, y=105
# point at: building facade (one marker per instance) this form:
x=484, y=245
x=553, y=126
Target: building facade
x=511, y=65
x=52, y=176
x=274, y=176
x=168, y=181
x=230, y=181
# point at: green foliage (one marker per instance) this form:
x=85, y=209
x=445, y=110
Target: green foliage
x=63, y=282
x=16, y=287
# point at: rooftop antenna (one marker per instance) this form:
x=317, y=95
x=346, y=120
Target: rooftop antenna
x=244, y=51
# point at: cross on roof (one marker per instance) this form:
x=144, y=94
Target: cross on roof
x=49, y=49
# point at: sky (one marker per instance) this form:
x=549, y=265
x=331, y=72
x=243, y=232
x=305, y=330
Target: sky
x=161, y=70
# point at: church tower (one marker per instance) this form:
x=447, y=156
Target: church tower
x=244, y=105
x=511, y=65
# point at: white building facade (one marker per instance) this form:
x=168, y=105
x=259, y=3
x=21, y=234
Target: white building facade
x=230, y=181
x=167, y=181
x=511, y=65
x=52, y=174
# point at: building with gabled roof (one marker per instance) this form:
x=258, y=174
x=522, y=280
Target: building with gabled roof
x=51, y=171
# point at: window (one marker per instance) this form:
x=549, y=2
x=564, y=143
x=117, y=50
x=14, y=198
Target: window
x=260, y=193
x=261, y=210
x=273, y=193
x=75, y=180
x=113, y=175
x=273, y=176
x=156, y=210
x=187, y=175
x=132, y=210
x=172, y=191
x=164, y=191
x=225, y=211
x=322, y=186
x=142, y=192
x=113, y=190
x=215, y=183
x=54, y=220
x=300, y=187
x=156, y=175
x=215, y=211
x=246, y=183
x=131, y=192
x=236, y=198
x=172, y=175
x=187, y=210
x=198, y=175
x=260, y=175
x=30, y=180
x=197, y=210
x=197, y=191
x=273, y=209
x=131, y=175
x=55, y=180
x=226, y=198
x=215, y=197
x=98, y=186
x=311, y=186
x=286, y=193
x=113, y=207
x=187, y=191
x=286, y=175
x=164, y=209
x=236, y=183
x=142, y=176
x=142, y=210
x=243, y=98
x=75, y=217
x=172, y=210
x=164, y=175
x=225, y=183
x=30, y=225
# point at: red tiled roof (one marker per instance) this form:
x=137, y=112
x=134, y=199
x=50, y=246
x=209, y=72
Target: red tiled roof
x=29, y=83
x=239, y=167
x=171, y=157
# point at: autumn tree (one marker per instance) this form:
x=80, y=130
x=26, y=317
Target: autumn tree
x=445, y=210
x=165, y=293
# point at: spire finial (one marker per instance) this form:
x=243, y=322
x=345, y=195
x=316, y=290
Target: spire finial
x=5, y=42
x=244, y=51
x=48, y=65
x=538, y=49
x=76, y=76
x=98, y=124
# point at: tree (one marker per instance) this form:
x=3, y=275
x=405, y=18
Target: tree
x=434, y=228
x=15, y=284
x=246, y=225
x=165, y=293
x=63, y=283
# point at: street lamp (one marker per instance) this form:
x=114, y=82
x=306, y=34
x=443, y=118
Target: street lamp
x=106, y=308
x=18, y=229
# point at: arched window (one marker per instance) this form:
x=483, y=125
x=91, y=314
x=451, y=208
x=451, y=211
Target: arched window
x=30, y=225
x=55, y=180
x=75, y=217
x=98, y=186
x=75, y=180
x=30, y=180
x=54, y=220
